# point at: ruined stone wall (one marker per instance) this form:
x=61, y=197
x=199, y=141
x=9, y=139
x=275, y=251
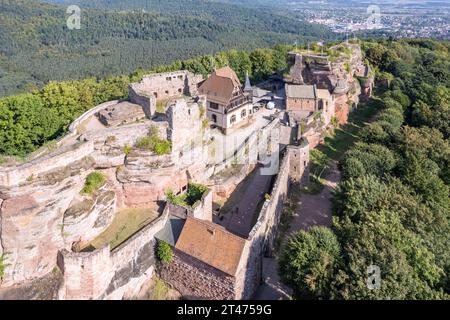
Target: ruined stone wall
x=91, y=112
x=203, y=210
x=14, y=176
x=196, y=280
x=105, y=274
x=86, y=274
x=299, y=162
x=162, y=86
x=145, y=100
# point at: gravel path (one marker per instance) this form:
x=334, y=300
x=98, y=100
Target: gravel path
x=312, y=210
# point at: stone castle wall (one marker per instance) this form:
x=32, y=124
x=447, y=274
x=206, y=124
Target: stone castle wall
x=261, y=238
x=162, y=86
x=106, y=274
x=15, y=176
x=196, y=280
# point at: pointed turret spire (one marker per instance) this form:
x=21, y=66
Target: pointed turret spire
x=248, y=85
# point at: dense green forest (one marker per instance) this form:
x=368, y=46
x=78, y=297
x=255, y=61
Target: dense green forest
x=36, y=46
x=392, y=207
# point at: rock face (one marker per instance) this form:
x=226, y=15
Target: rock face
x=337, y=75
x=85, y=219
x=121, y=113
x=41, y=209
x=32, y=219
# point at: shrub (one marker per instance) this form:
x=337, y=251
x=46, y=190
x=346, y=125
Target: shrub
x=205, y=124
x=162, y=147
x=164, y=252
x=94, y=181
x=2, y=266
x=308, y=262
x=160, y=291
x=154, y=143
x=193, y=194
x=145, y=143
x=127, y=149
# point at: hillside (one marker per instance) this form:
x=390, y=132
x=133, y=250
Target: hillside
x=390, y=231
x=37, y=46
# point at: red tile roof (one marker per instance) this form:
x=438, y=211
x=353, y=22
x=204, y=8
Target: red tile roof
x=211, y=244
x=221, y=85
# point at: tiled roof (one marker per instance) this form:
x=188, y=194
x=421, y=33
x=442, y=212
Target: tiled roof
x=211, y=244
x=323, y=94
x=221, y=85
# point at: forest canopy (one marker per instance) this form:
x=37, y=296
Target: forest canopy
x=37, y=46
x=391, y=208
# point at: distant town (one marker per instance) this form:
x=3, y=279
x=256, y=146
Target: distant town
x=406, y=19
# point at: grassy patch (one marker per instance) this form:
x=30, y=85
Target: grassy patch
x=287, y=216
x=337, y=144
x=343, y=138
x=2, y=266
x=94, y=181
x=154, y=143
x=125, y=224
x=160, y=290
x=161, y=106
x=192, y=196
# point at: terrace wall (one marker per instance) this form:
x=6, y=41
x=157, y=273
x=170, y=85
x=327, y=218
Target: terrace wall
x=106, y=274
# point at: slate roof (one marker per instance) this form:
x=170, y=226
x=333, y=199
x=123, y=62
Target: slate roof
x=301, y=91
x=171, y=231
x=211, y=244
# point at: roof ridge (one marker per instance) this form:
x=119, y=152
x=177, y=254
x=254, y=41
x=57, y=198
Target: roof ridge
x=222, y=228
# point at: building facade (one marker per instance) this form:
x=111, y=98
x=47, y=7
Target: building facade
x=227, y=106
x=302, y=101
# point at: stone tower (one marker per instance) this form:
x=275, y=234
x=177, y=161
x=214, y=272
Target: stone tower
x=299, y=162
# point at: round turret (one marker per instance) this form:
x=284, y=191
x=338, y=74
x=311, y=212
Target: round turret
x=341, y=87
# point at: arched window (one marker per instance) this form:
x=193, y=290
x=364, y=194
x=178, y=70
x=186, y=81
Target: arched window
x=233, y=119
x=243, y=113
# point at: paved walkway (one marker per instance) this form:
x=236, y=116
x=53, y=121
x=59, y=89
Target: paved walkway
x=242, y=216
x=312, y=210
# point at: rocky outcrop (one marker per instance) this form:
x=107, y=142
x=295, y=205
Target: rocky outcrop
x=121, y=113
x=88, y=217
x=32, y=220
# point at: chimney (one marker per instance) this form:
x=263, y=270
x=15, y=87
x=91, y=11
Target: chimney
x=212, y=231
